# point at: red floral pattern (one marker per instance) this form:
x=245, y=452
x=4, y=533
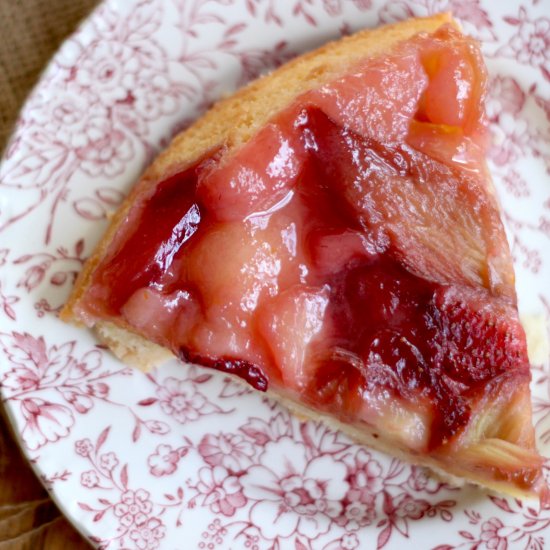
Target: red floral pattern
x=232, y=451
x=164, y=461
x=185, y=454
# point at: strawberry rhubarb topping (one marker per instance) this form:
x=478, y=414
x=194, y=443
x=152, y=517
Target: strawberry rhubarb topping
x=349, y=253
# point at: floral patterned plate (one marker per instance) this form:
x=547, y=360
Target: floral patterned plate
x=183, y=457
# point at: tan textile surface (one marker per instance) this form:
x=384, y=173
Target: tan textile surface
x=30, y=32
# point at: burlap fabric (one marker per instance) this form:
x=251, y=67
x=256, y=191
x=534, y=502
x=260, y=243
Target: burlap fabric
x=30, y=32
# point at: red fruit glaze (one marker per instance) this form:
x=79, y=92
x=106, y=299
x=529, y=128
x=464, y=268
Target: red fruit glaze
x=166, y=222
x=348, y=250
x=251, y=373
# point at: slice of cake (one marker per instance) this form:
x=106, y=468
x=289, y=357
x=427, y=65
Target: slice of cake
x=330, y=234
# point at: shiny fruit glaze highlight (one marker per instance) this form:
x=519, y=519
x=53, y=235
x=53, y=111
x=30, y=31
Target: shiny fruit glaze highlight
x=348, y=253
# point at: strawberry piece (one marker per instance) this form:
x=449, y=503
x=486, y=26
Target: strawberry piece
x=261, y=175
x=158, y=226
x=376, y=100
x=476, y=340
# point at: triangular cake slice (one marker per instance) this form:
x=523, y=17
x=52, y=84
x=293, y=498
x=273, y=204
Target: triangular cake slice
x=330, y=234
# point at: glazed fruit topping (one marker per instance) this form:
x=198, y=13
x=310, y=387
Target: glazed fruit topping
x=348, y=253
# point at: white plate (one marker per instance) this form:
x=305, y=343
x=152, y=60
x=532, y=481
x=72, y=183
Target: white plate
x=183, y=458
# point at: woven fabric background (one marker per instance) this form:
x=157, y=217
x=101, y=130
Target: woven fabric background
x=30, y=32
